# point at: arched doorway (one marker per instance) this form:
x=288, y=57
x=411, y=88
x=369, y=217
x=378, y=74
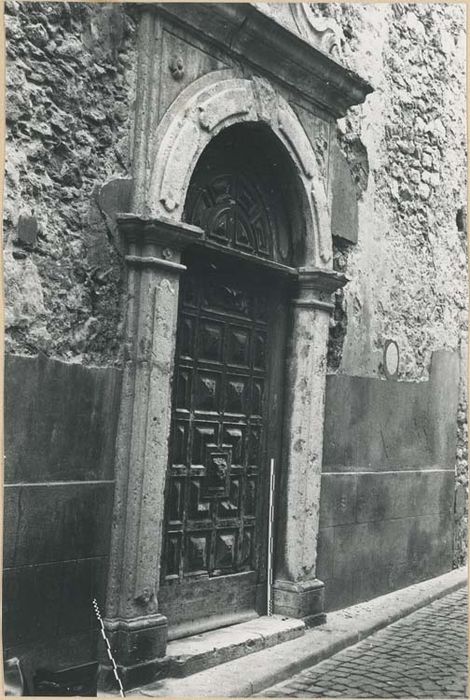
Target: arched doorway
x=228, y=382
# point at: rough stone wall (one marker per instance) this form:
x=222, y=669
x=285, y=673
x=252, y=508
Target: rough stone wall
x=406, y=147
x=461, y=467
x=69, y=89
x=407, y=150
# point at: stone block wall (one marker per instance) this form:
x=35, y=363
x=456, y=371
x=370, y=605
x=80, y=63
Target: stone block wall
x=60, y=428
x=406, y=148
x=387, y=499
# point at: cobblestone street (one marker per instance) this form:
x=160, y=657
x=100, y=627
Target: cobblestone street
x=424, y=655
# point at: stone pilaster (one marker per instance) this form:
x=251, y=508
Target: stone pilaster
x=136, y=629
x=297, y=591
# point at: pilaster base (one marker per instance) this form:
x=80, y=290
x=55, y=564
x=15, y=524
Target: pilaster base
x=138, y=647
x=132, y=676
x=301, y=599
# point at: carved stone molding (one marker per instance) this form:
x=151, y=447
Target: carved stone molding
x=286, y=41
x=327, y=281
x=205, y=108
x=155, y=234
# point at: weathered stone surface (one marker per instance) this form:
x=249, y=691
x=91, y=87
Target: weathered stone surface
x=74, y=522
x=369, y=497
x=300, y=481
x=461, y=467
x=338, y=499
x=387, y=499
x=138, y=631
x=344, y=195
x=397, y=495
x=60, y=422
x=382, y=498
x=27, y=229
x=213, y=103
x=381, y=425
x=25, y=310
x=36, y=602
x=300, y=599
x=194, y=654
x=409, y=271
x=70, y=76
x=422, y=655
x=321, y=32
x=250, y=675
x=370, y=559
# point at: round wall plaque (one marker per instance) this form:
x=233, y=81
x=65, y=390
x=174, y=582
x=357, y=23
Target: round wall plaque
x=391, y=359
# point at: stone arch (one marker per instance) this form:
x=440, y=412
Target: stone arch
x=204, y=109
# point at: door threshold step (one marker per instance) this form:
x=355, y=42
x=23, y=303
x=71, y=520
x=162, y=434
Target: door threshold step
x=251, y=675
x=202, y=651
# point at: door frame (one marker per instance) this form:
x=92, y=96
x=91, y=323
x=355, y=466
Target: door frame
x=153, y=243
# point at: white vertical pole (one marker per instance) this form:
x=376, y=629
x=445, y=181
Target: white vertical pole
x=270, y=539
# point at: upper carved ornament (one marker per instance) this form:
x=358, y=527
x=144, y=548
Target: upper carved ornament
x=320, y=32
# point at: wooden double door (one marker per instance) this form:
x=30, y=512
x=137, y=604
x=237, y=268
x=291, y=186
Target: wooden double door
x=225, y=429
x=227, y=394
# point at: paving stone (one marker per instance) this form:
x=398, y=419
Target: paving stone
x=423, y=655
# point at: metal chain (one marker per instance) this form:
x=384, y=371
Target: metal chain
x=108, y=648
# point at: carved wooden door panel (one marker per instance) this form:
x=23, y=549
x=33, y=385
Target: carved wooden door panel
x=215, y=524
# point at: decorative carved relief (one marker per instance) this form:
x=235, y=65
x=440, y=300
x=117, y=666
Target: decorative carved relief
x=217, y=477
x=183, y=142
x=321, y=32
x=176, y=67
x=230, y=210
x=217, y=427
x=266, y=99
x=235, y=101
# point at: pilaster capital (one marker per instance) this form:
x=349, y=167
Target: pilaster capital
x=320, y=279
x=155, y=238
x=315, y=287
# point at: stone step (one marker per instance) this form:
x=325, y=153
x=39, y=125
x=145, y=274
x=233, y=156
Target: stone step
x=202, y=651
x=250, y=675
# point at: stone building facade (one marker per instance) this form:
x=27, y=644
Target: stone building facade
x=217, y=218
